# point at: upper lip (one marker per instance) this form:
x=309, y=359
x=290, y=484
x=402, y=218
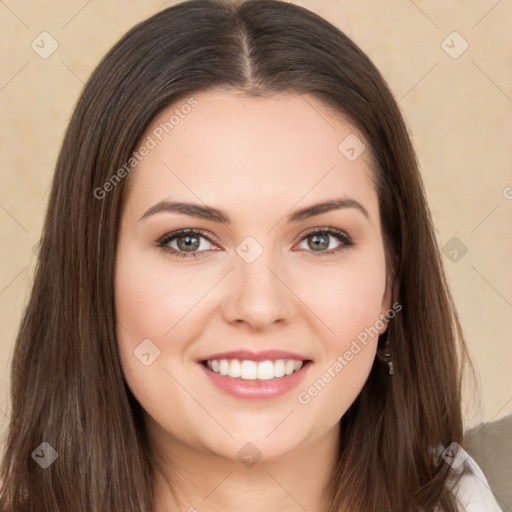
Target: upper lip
x=264, y=355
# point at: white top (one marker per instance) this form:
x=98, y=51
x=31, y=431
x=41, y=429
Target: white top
x=473, y=491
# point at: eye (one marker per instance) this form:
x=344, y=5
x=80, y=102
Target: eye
x=188, y=243
x=318, y=240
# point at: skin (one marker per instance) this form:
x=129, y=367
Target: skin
x=258, y=159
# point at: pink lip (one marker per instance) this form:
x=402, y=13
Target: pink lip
x=255, y=356
x=256, y=389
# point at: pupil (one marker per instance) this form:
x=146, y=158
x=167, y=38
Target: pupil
x=190, y=242
x=322, y=244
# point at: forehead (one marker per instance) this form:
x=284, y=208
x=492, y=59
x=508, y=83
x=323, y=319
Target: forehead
x=229, y=146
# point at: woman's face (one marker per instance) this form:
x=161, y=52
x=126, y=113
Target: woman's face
x=264, y=280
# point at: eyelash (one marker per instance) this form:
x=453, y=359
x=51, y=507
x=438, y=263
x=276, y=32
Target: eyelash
x=336, y=233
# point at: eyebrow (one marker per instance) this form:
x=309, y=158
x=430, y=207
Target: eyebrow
x=216, y=215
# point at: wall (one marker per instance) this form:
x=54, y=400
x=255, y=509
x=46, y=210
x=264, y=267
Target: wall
x=457, y=103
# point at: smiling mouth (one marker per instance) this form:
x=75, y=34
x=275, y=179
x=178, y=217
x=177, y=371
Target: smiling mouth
x=252, y=370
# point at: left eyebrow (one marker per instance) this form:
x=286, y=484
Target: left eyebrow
x=216, y=215
x=317, y=209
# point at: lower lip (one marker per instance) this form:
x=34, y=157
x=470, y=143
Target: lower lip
x=256, y=389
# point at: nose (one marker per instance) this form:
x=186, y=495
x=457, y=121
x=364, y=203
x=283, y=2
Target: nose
x=257, y=293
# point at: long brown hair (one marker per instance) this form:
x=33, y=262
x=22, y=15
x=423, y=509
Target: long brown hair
x=67, y=385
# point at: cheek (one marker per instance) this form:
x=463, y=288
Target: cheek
x=151, y=299
x=158, y=303
x=143, y=308
x=151, y=307
x=346, y=299
x=334, y=387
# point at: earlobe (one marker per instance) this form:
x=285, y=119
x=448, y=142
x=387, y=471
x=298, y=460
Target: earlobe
x=387, y=299
x=384, y=353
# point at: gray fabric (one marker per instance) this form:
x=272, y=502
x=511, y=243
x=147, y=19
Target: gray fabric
x=490, y=444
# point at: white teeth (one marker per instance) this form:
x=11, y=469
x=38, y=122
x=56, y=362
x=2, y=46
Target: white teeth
x=265, y=370
x=248, y=370
x=279, y=368
x=251, y=370
x=288, y=367
x=234, y=369
x=223, y=367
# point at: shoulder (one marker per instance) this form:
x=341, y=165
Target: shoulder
x=472, y=491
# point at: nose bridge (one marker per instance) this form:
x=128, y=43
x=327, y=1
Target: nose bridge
x=257, y=292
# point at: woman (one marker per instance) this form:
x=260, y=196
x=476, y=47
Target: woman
x=239, y=300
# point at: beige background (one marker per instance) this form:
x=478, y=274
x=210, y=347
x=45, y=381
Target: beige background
x=458, y=110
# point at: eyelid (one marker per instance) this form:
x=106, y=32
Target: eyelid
x=327, y=229
x=172, y=235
